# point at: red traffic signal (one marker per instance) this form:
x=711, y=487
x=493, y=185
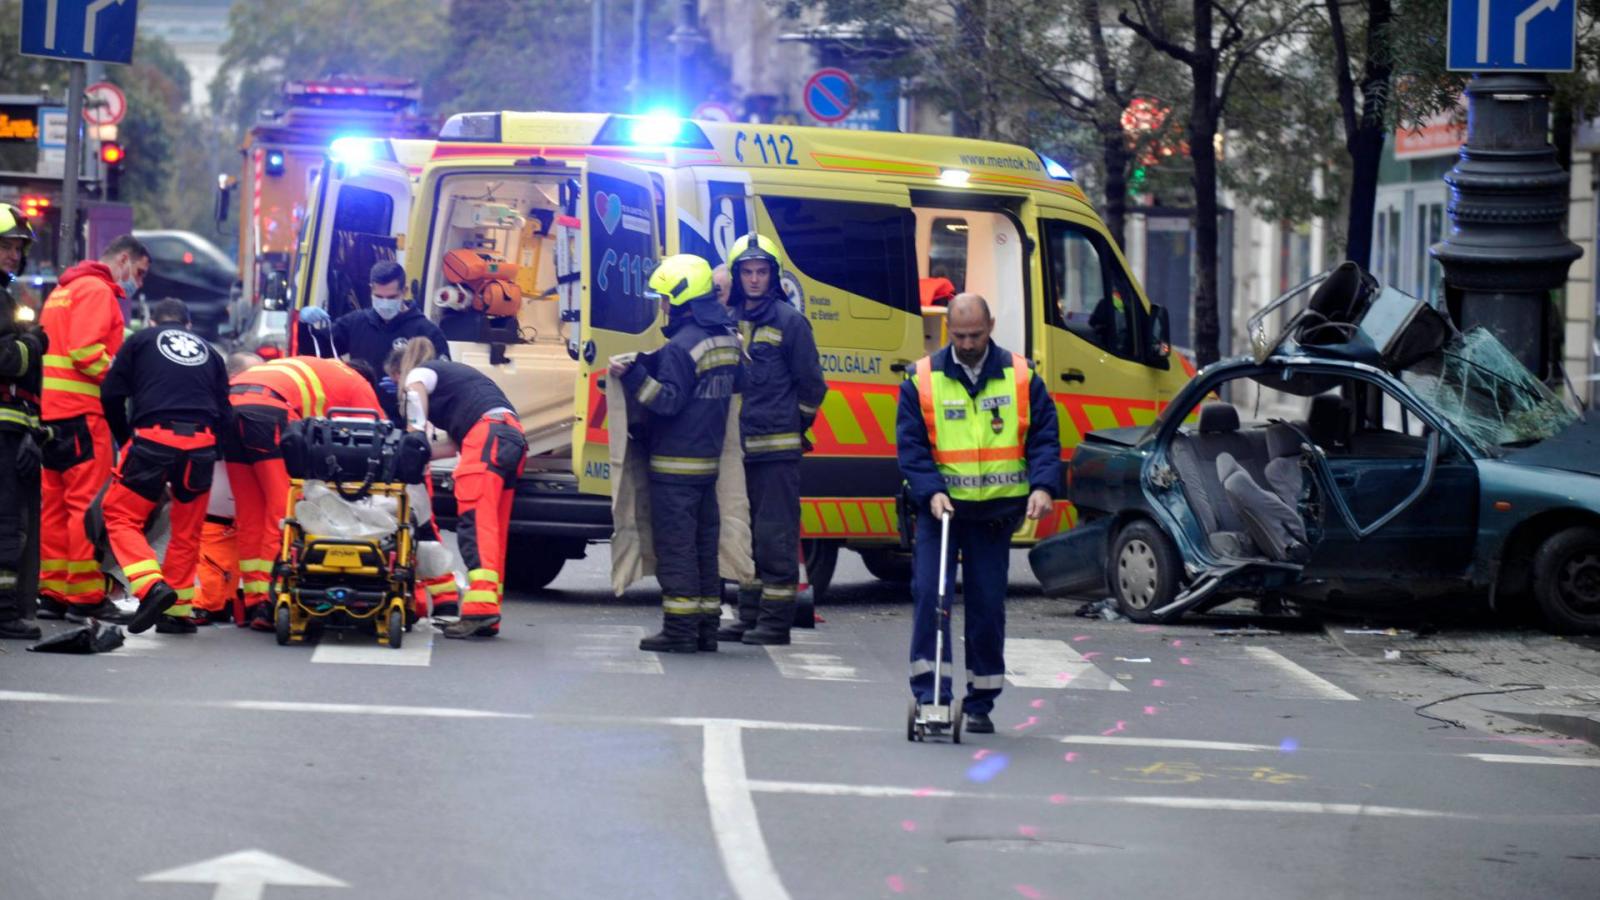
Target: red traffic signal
x=111, y=153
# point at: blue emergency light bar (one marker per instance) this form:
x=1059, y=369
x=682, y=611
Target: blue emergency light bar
x=1054, y=169
x=654, y=130
x=359, y=150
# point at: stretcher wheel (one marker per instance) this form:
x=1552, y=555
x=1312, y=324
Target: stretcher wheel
x=911, y=721
x=956, y=719
x=396, y=626
x=280, y=624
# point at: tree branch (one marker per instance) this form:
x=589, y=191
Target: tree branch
x=1181, y=54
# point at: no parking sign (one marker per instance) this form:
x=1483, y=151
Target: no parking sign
x=830, y=95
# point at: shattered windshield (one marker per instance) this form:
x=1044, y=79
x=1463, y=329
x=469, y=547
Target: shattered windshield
x=1491, y=397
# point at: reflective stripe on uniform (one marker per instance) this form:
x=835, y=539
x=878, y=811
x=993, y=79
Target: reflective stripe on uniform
x=185, y=595
x=180, y=610
x=711, y=605
x=649, y=390
x=18, y=417
x=680, y=606
x=988, y=479
x=479, y=575
x=489, y=597
x=312, y=400
x=789, y=440
x=921, y=667
x=445, y=585
x=82, y=567
x=977, y=441
x=721, y=341
x=717, y=356
x=684, y=465
x=71, y=387
x=807, y=410
x=777, y=592
x=986, y=682
x=767, y=334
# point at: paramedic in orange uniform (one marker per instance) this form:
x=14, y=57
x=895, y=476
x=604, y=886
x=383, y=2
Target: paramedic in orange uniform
x=265, y=399
x=84, y=323
x=172, y=389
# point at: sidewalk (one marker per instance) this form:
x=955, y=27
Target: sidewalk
x=1546, y=681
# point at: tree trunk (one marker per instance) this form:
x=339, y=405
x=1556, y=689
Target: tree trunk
x=1365, y=146
x=1203, y=152
x=1114, y=154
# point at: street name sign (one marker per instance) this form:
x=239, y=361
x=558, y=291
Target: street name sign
x=1512, y=35
x=88, y=30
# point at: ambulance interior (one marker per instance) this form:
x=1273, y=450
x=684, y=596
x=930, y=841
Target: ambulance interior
x=517, y=219
x=975, y=251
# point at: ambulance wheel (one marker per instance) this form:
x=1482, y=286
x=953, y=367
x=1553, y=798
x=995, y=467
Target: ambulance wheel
x=821, y=557
x=889, y=564
x=911, y=721
x=956, y=721
x=281, y=624
x=396, y=627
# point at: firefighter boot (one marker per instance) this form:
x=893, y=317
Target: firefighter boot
x=156, y=601
x=19, y=629
x=679, y=634
x=775, y=620
x=175, y=625
x=709, y=625
x=749, y=606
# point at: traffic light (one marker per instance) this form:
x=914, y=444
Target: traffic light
x=1136, y=182
x=111, y=153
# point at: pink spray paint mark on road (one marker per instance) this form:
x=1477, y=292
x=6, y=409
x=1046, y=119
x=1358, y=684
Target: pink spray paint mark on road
x=1079, y=637
x=1032, y=721
x=1121, y=726
x=981, y=754
x=1090, y=655
x=1064, y=677
x=1156, y=682
x=1146, y=629
x=896, y=884
x=1028, y=831
x=924, y=792
x=1150, y=710
x=1072, y=756
x=1059, y=799
x=1177, y=643
x=1185, y=661
x=1029, y=891
x=907, y=825
x=1037, y=704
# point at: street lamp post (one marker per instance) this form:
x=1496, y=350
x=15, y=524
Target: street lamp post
x=1506, y=250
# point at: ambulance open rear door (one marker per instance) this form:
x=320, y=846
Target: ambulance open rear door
x=620, y=244
x=358, y=216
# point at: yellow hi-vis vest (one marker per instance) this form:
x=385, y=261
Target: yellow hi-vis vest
x=978, y=442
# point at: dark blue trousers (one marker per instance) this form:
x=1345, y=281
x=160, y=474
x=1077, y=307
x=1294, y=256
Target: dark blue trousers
x=984, y=549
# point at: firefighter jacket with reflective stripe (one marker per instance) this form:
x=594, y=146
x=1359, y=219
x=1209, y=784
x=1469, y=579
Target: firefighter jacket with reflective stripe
x=171, y=376
x=947, y=441
x=83, y=321
x=309, y=386
x=21, y=362
x=784, y=385
x=686, y=388
x=461, y=397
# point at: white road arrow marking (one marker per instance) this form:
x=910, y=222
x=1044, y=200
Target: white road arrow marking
x=1520, y=47
x=90, y=14
x=244, y=875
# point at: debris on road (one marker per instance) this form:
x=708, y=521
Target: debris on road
x=95, y=637
x=1248, y=630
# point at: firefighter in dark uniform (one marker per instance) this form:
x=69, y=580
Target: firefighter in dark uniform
x=21, y=366
x=166, y=401
x=686, y=388
x=977, y=439
x=783, y=389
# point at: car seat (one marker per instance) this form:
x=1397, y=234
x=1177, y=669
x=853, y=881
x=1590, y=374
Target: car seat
x=1271, y=517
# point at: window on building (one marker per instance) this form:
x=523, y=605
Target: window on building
x=1088, y=293
x=867, y=249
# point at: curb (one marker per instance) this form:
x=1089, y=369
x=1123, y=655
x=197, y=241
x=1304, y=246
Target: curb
x=1574, y=725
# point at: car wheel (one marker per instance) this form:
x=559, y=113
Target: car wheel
x=891, y=565
x=1566, y=580
x=1144, y=570
x=821, y=557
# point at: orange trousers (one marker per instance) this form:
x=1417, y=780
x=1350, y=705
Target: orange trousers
x=492, y=458
x=219, y=565
x=77, y=464
x=260, y=497
x=181, y=458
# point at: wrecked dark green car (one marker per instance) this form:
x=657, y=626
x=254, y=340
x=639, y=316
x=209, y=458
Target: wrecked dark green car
x=1385, y=457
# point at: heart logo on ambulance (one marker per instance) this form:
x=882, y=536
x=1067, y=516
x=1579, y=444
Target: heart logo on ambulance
x=609, y=208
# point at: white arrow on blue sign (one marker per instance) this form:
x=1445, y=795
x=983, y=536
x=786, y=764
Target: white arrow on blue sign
x=1512, y=35
x=89, y=30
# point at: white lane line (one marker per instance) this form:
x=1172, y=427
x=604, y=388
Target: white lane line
x=40, y=697
x=733, y=817
x=1036, y=663
x=1214, y=804
x=614, y=650
x=357, y=649
x=359, y=709
x=1303, y=684
x=1535, y=760
x=1170, y=743
x=808, y=661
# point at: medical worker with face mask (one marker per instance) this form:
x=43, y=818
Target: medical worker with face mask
x=372, y=334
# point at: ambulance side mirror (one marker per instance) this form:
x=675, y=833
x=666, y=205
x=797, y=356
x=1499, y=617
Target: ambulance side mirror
x=1158, y=349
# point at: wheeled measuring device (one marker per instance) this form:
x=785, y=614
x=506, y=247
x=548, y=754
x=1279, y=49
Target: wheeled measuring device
x=924, y=720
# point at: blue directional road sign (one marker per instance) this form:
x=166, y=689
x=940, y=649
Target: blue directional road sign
x=1512, y=35
x=90, y=30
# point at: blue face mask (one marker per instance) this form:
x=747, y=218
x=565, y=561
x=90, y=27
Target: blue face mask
x=387, y=307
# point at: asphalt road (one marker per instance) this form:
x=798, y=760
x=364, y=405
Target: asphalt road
x=558, y=761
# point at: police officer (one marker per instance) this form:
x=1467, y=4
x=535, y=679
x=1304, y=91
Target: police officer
x=21, y=358
x=784, y=387
x=977, y=439
x=686, y=388
x=172, y=389
x=372, y=334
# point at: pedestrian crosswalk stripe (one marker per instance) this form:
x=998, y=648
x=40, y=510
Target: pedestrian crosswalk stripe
x=360, y=649
x=1536, y=760
x=1302, y=684
x=807, y=660
x=1036, y=663
x=613, y=649
x=1168, y=743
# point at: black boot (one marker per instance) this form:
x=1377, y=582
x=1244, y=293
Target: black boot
x=772, y=627
x=749, y=607
x=175, y=625
x=51, y=608
x=710, y=623
x=156, y=601
x=680, y=633
x=19, y=629
x=105, y=611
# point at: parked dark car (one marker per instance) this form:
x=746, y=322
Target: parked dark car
x=1411, y=461
x=189, y=267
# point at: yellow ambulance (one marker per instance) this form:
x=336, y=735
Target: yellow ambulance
x=581, y=205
